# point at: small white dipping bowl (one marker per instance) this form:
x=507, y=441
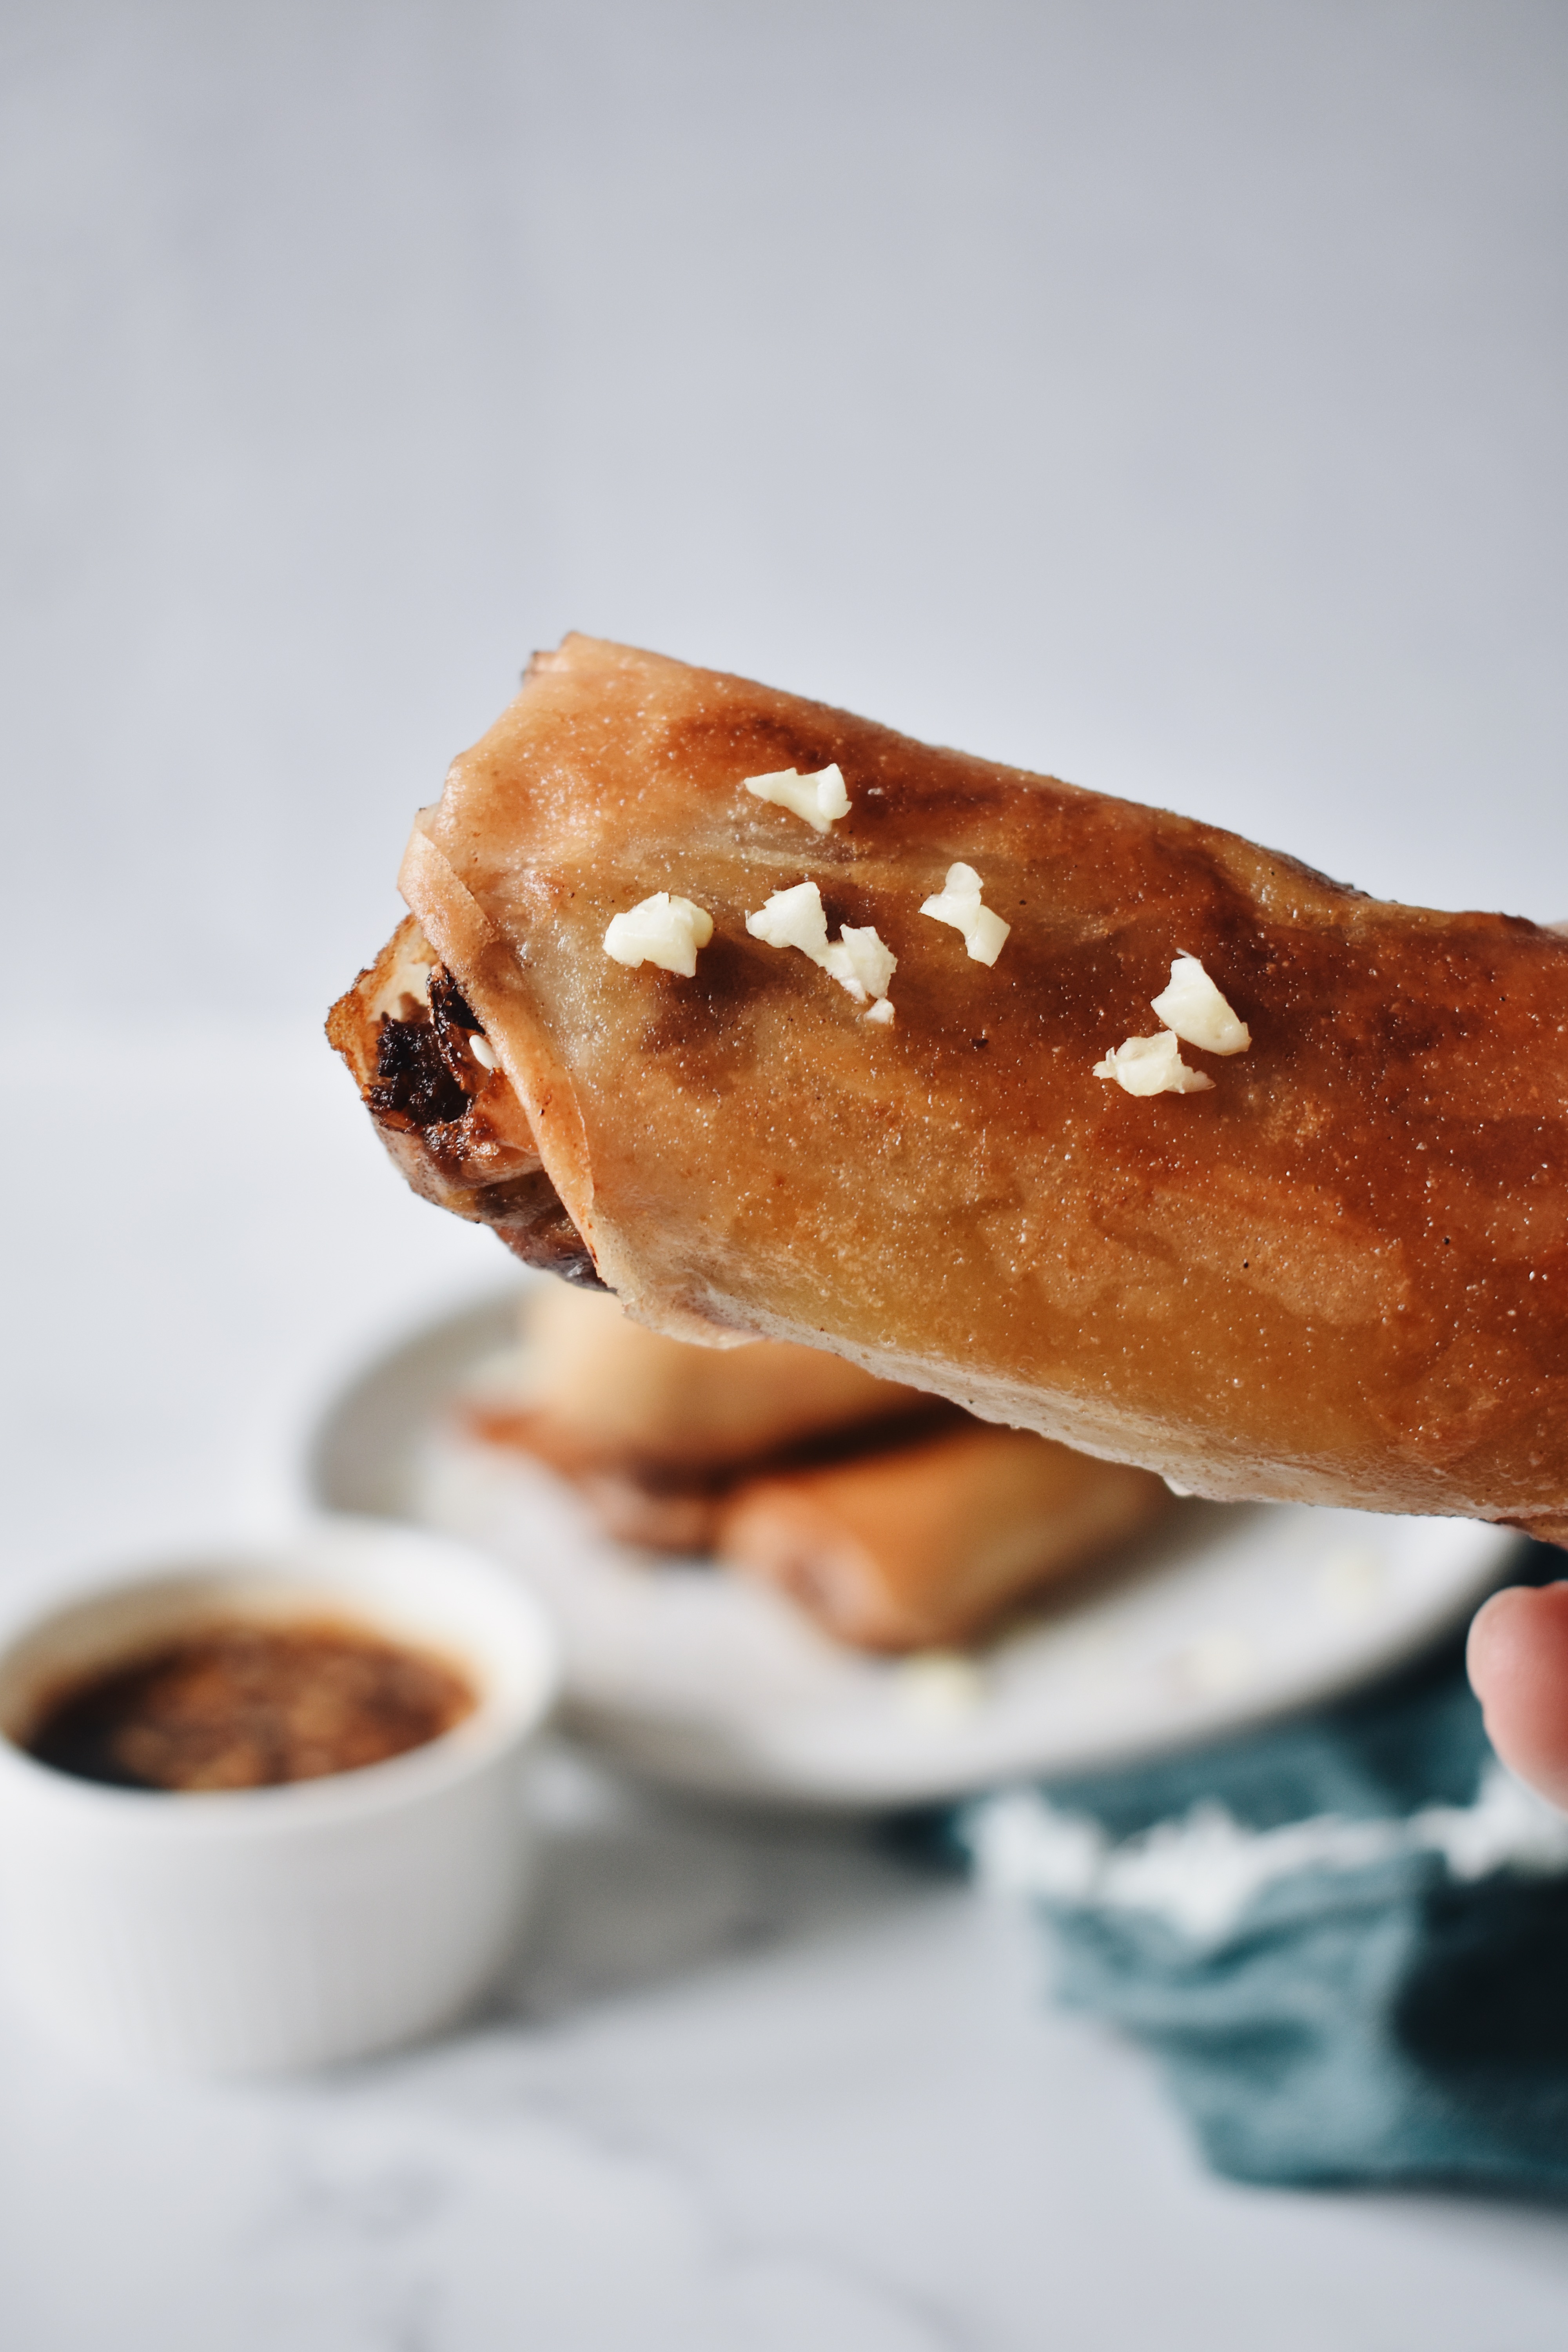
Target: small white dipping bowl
x=241, y=1931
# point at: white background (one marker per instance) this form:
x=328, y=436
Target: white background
x=1169, y=396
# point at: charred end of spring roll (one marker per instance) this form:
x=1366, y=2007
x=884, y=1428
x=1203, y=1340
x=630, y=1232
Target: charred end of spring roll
x=447, y=1113
x=928, y=1546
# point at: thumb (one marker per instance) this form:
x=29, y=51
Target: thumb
x=1518, y=1661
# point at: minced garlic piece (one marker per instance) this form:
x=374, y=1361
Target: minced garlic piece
x=1152, y=1065
x=861, y=963
x=958, y=903
x=662, y=930
x=792, y=918
x=820, y=798
x=1193, y=1007
x=483, y=1052
x=856, y=958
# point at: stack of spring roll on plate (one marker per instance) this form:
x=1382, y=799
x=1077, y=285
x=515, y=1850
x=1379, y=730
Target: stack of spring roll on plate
x=895, y=1519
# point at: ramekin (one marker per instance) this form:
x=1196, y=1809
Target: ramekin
x=261, y=1929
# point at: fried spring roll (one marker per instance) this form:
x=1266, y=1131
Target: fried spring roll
x=1333, y=1268
x=653, y=1430
x=606, y=1394
x=928, y=1544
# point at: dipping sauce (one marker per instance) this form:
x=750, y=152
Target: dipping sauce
x=247, y=1706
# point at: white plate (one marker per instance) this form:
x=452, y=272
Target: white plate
x=1227, y=1614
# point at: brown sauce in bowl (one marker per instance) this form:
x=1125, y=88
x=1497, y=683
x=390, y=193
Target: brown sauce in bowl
x=248, y=1705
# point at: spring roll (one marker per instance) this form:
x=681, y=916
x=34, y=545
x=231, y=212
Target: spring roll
x=604, y=1393
x=654, y=1431
x=1151, y=1141
x=928, y=1544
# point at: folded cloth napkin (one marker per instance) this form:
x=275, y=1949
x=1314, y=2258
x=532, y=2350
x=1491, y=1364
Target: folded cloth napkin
x=1345, y=1938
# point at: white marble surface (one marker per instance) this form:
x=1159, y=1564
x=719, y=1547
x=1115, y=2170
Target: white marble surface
x=1171, y=397
x=751, y=2085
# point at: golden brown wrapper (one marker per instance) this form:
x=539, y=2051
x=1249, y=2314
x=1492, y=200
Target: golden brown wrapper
x=1341, y=1275
x=654, y=1431
x=608, y=1393
x=928, y=1544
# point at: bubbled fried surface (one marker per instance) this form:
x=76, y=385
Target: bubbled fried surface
x=1341, y=1275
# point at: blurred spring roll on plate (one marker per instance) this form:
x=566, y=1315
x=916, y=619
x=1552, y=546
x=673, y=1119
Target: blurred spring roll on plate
x=603, y=1390
x=892, y=1518
x=654, y=1431
x=930, y=1543
x=1094, y=1119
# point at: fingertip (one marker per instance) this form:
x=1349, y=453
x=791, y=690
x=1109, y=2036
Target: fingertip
x=1497, y=1629
x=1518, y=1661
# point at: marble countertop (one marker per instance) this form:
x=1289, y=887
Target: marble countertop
x=753, y=2082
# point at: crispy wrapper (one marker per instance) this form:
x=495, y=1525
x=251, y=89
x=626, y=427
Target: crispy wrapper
x=1338, y=1275
x=653, y=1432
x=928, y=1545
x=606, y=1393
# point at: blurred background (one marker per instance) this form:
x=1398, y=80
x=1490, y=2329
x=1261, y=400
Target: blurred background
x=1169, y=397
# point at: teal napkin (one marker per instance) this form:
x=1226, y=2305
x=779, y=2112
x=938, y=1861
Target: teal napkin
x=1344, y=1939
